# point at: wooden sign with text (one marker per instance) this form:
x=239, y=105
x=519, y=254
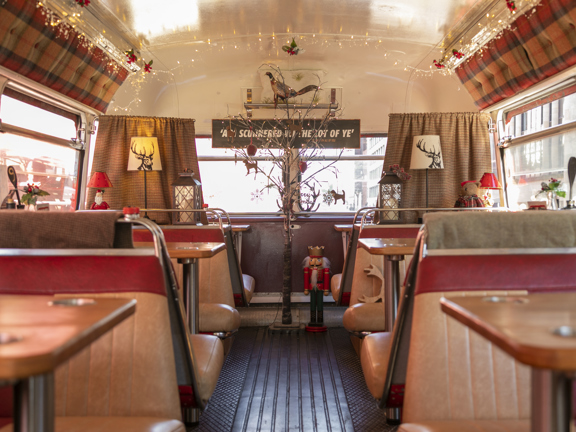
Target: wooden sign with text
x=336, y=134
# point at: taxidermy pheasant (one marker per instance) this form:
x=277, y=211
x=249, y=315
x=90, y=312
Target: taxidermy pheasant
x=284, y=92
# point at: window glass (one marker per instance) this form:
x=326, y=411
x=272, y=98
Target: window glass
x=528, y=165
x=51, y=167
x=543, y=117
x=227, y=184
x=17, y=113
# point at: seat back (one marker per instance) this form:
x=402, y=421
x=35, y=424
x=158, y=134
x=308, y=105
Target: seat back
x=466, y=377
x=216, y=286
x=130, y=371
x=362, y=284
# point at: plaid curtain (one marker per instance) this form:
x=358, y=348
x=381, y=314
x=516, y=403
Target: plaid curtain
x=177, y=145
x=55, y=56
x=465, y=144
x=535, y=48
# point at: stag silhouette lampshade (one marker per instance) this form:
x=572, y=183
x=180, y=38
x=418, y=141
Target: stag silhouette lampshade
x=144, y=156
x=426, y=154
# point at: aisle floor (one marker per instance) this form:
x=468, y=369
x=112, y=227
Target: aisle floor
x=296, y=381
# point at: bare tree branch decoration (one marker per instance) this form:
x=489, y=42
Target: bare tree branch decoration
x=297, y=191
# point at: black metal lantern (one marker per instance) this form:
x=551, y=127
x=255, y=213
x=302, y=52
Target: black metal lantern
x=187, y=195
x=389, y=197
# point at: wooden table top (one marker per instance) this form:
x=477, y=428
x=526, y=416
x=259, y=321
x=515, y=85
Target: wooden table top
x=388, y=246
x=240, y=228
x=343, y=228
x=523, y=326
x=48, y=335
x=189, y=250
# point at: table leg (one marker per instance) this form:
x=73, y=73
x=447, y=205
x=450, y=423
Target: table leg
x=391, y=288
x=551, y=401
x=345, y=242
x=34, y=404
x=238, y=237
x=191, y=281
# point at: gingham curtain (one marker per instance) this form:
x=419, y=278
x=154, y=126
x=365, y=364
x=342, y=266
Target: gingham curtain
x=465, y=147
x=536, y=47
x=177, y=145
x=55, y=56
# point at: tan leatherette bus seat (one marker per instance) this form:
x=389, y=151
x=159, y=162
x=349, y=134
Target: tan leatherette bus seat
x=368, y=279
x=127, y=379
x=461, y=381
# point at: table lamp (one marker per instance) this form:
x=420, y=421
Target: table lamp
x=426, y=154
x=490, y=181
x=99, y=180
x=144, y=156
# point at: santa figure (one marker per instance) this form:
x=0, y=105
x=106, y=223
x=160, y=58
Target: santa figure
x=99, y=203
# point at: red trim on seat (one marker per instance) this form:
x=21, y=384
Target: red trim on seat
x=48, y=275
x=391, y=232
x=532, y=273
x=182, y=235
x=187, y=399
x=396, y=396
x=345, y=299
x=238, y=300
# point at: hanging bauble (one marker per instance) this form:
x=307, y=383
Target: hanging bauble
x=303, y=166
x=251, y=149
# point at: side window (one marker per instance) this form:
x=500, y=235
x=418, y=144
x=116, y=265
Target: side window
x=530, y=162
x=34, y=143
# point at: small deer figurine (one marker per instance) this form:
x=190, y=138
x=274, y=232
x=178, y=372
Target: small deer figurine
x=338, y=196
x=433, y=154
x=250, y=165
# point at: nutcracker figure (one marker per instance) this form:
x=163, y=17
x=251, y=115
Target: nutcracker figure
x=317, y=284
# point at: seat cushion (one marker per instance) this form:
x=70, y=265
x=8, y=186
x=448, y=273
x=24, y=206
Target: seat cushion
x=365, y=317
x=216, y=317
x=249, y=286
x=374, y=358
x=209, y=355
x=468, y=425
x=335, y=286
x=109, y=424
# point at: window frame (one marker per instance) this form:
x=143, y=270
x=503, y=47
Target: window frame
x=84, y=126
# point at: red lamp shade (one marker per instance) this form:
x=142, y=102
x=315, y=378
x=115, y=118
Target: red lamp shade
x=99, y=180
x=490, y=181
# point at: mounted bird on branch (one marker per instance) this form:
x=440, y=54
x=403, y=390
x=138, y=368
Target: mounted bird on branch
x=284, y=92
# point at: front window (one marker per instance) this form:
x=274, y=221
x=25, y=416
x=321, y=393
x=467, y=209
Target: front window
x=231, y=184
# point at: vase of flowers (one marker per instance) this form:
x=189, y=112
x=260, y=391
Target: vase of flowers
x=552, y=191
x=31, y=194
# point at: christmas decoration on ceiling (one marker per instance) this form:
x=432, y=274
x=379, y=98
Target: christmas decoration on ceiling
x=148, y=66
x=292, y=49
x=439, y=64
x=83, y=3
x=457, y=54
x=131, y=56
x=511, y=6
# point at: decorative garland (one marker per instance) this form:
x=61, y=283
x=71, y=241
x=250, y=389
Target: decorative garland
x=83, y=3
x=132, y=58
x=292, y=49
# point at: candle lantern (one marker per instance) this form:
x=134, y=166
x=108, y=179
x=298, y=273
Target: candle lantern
x=390, y=195
x=187, y=195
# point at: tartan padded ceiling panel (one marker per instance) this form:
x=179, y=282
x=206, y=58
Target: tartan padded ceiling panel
x=56, y=56
x=537, y=46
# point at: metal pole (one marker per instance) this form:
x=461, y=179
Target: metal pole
x=191, y=280
x=551, y=401
x=34, y=404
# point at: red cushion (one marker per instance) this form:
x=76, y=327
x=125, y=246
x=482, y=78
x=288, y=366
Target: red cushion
x=200, y=234
x=48, y=275
x=533, y=273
